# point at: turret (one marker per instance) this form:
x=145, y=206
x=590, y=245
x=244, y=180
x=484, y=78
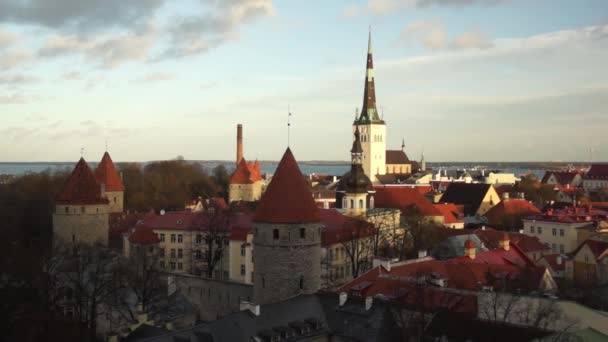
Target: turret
x=110, y=183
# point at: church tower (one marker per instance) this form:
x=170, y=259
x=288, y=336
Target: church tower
x=286, y=237
x=111, y=185
x=355, y=191
x=370, y=125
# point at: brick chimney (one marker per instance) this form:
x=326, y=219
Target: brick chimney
x=504, y=242
x=239, y=143
x=470, y=250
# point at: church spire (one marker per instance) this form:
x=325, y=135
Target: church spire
x=369, y=113
x=356, y=151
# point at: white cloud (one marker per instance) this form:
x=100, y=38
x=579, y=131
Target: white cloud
x=7, y=38
x=433, y=36
x=16, y=79
x=155, y=77
x=472, y=40
x=14, y=57
x=380, y=7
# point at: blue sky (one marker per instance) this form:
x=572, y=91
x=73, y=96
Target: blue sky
x=463, y=80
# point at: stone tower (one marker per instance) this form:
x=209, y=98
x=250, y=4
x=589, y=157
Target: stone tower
x=81, y=212
x=111, y=185
x=286, y=237
x=355, y=191
x=370, y=125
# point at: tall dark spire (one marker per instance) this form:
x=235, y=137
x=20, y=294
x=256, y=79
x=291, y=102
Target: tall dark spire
x=356, y=151
x=369, y=113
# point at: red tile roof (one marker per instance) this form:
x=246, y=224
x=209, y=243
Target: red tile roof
x=597, y=171
x=450, y=212
x=143, y=236
x=81, y=187
x=552, y=261
x=510, y=208
x=341, y=228
x=246, y=173
x=288, y=198
x=396, y=157
x=491, y=237
x=239, y=233
x=404, y=198
x=579, y=214
x=107, y=174
x=597, y=247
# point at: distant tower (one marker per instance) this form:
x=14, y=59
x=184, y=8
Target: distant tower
x=287, y=237
x=422, y=163
x=239, y=143
x=81, y=212
x=371, y=127
x=355, y=190
x=111, y=184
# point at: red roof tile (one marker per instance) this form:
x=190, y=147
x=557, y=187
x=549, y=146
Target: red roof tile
x=246, y=173
x=597, y=171
x=404, y=198
x=552, y=261
x=143, y=236
x=396, y=157
x=107, y=174
x=341, y=228
x=239, y=233
x=510, y=208
x=288, y=198
x=597, y=247
x=81, y=187
x=450, y=212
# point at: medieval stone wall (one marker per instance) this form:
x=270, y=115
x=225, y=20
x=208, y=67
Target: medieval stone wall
x=87, y=224
x=116, y=199
x=287, y=264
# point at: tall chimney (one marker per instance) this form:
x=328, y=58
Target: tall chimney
x=239, y=143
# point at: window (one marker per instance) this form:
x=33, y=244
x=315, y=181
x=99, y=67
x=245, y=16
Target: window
x=225, y=275
x=586, y=258
x=331, y=254
x=114, y=199
x=361, y=204
x=172, y=237
x=162, y=264
x=252, y=255
x=371, y=202
x=302, y=233
x=561, y=232
x=162, y=237
x=553, y=247
x=352, y=204
x=198, y=254
x=73, y=238
x=561, y=248
x=301, y=282
x=252, y=277
x=344, y=203
x=540, y=230
x=180, y=266
x=243, y=250
x=180, y=253
x=275, y=234
x=199, y=238
x=67, y=210
x=242, y=269
x=554, y=232
x=82, y=209
x=173, y=252
x=180, y=238
x=263, y=282
x=161, y=252
x=151, y=249
x=173, y=266
x=532, y=229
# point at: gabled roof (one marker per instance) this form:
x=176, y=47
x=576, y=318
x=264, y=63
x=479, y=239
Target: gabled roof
x=551, y=260
x=468, y=194
x=107, y=174
x=450, y=212
x=597, y=247
x=396, y=157
x=597, y=171
x=491, y=237
x=81, y=187
x=288, y=198
x=561, y=177
x=404, y=198
x=510, y=208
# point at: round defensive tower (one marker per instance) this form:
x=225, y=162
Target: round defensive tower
x=286, y=237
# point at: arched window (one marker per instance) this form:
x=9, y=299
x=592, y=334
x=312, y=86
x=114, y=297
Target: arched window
x=361, y=204
x=371, y=202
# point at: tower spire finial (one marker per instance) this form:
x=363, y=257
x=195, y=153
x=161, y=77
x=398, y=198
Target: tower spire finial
x=403, y=144
x=369, y=40
x=288, y=124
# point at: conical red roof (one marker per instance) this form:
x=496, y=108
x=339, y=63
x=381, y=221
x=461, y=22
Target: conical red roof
x=107, y=174
x=288, y=198
x=242, y=174
x=81, y=187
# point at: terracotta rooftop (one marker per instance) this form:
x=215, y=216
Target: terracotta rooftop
x=246, y=173
x=404, y=198
x=468, y=194
x=510, y=208
x=288, y=198
x=341, y=228
x=597, y=171
x=143, y=236
x=81, y=187
x=107, y=174
x=450, y=212
x=491, y=237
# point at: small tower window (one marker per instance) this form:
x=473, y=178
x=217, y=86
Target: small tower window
x=302, y=233
x=301, y=282
x=67, y=210
x=82, y=209
x=275, y=234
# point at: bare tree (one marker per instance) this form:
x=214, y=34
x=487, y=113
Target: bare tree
x=215, y=235
x=357, y=239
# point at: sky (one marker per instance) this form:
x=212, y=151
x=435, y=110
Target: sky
x=461, y=80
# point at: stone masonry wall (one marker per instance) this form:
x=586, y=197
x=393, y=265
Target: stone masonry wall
x=81, y=224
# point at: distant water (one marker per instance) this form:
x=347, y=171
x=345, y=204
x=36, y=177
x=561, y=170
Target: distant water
x=307, y=168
